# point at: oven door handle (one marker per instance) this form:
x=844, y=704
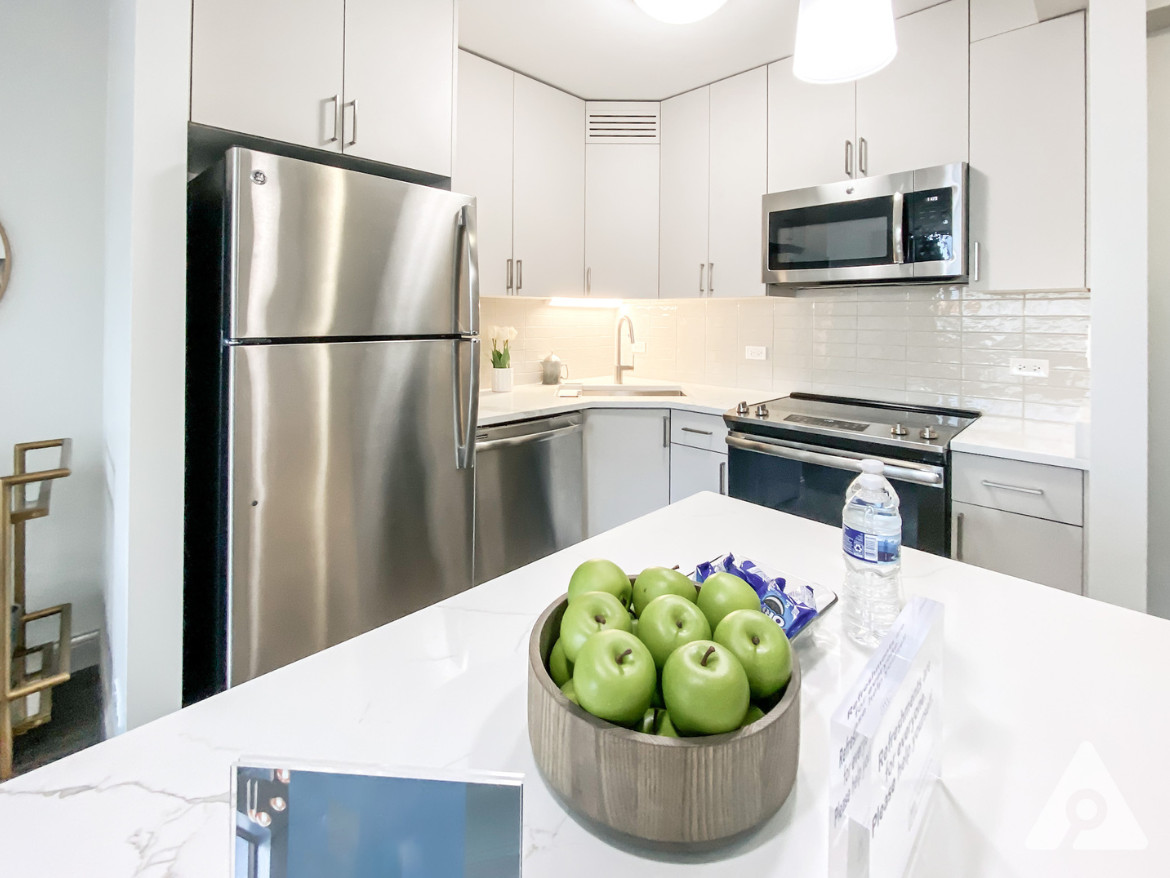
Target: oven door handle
x=896, y=473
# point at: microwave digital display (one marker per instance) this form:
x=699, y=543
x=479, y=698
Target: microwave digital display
x=930, y=236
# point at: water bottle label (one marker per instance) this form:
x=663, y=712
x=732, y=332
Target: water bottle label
x=871, y=547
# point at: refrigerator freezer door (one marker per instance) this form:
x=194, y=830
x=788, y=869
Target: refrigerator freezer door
x=348, y=504
x=324, y=252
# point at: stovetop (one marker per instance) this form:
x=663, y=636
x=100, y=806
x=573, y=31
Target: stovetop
x=812, y=418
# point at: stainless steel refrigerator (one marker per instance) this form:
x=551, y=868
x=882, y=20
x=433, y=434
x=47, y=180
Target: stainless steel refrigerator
x=332, y=391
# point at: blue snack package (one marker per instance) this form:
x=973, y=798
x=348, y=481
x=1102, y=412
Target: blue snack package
x=792, y=605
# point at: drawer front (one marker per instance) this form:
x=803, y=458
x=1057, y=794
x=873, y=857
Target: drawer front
x=1050, y=492
x=693, y=470
x=698, y=431
x=1042, y=551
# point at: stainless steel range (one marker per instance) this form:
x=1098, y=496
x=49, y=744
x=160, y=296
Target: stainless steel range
x=800, y=452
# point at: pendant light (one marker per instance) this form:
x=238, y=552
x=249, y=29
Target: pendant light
x=843, y=40
x=679, y=11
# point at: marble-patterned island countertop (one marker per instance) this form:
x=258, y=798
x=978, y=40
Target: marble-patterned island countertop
x=1032, y=676
x=1035, y=441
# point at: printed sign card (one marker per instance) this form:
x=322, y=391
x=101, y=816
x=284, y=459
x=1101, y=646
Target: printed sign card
x=885, y=749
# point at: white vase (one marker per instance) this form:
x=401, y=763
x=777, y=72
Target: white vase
x=502, y=380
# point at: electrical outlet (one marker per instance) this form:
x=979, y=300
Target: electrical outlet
x=639, y=347
x=752, y=352
x=1028, y=368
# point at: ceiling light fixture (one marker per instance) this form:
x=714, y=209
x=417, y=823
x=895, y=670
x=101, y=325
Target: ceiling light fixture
x=679, y=11
x=843, y=40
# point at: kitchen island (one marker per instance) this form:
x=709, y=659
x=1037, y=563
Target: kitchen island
x=1031, y=675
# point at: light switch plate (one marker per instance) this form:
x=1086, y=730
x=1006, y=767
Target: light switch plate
x=639, y=347
x=1028, y=368
x=752, y=352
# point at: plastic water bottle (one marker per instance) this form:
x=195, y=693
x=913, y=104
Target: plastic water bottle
x=872, y=543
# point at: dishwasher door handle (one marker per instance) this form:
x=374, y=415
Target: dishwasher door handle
x=817, y=458
x=527, y=439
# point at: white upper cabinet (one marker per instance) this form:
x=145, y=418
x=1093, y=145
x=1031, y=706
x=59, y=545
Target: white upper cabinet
x=399, y=71
x=621, y=220
x=548, y=223
x=685, y=131
x=739, y=177
x=811, y=130
x=483, y=163
x=370, y=79
x=913, y=114
x=271, y=68
x=1027, y=126
x=991, y=17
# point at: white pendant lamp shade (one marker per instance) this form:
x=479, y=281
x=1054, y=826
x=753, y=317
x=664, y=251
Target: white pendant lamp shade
x=679, y=11
x=843, y=40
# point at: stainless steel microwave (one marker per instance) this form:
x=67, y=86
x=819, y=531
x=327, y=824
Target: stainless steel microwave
x=896, y=229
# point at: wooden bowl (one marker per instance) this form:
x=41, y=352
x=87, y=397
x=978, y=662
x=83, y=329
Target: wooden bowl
x=673, y=793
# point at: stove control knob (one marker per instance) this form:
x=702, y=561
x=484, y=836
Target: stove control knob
x=928, y=432
x=761, y=411
x=898, y=430
x=742, y=408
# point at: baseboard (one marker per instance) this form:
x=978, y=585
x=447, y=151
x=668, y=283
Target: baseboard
x=86, y=650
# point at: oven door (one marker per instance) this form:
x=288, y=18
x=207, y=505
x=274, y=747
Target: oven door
x=810, y=482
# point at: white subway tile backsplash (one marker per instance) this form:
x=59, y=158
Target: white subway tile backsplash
x=932, y=346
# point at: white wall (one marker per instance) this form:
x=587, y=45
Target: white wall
x=1159, y=104
x=52, y=154
x=1118, y=250
x=144, y=355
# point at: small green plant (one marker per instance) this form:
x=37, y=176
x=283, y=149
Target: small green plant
x=501, y=337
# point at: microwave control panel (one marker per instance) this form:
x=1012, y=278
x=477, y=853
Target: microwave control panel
x=929, y=219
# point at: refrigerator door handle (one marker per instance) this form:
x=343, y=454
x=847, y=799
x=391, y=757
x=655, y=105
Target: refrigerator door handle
x=468, y=238
x=466, y=404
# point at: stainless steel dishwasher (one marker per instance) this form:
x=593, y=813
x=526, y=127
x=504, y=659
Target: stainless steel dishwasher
x=529, y=492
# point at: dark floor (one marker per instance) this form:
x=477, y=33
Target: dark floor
x=76, y=723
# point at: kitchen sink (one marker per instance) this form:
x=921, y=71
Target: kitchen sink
x=624, y=390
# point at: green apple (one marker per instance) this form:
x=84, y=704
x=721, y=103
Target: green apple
x=761, y=647
x=654, y=582
x=558, y=666
x=591, y=612
x=614, y=676
x=570, y=692
x=706, y=689
x=656, y=700
x=754, y=713
x=667, y=623
x=666, y=728
x=722, y=593
x=600, y=575
x=649, y=721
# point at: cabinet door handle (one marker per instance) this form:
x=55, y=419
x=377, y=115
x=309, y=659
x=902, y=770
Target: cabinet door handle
x=353, y=128
x=508, y=279
x=666, y=431
x=959, y=535
x=848, y=158
x=519, y=275
x=702, y=286
x=975, y=262
x=723, y=477
x=333, y=100
x=1036, y=492
x=700, y=432
x=710, y=278
x=863, y=156
x=588, y=281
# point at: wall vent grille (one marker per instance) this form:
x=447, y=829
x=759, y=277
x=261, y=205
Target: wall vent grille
x=621, y=122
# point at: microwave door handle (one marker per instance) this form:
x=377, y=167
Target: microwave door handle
x=897, y=222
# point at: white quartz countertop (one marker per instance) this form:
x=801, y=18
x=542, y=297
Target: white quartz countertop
x=1031, y=674
x=1034, y=441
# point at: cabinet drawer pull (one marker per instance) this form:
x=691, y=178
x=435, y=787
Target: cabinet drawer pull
x=700, y=432
x=1037, y=492
x=723, y=477
x=666, y=432
x=959, y=536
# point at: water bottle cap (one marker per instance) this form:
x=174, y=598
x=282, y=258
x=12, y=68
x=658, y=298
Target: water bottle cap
x=873, y=467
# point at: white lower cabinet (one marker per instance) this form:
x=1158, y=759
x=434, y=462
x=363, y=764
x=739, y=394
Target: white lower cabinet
x=694, y=469
x=1021, y=519
x=627, y=465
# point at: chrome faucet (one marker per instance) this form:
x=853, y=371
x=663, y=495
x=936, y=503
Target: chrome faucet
x=618, y=368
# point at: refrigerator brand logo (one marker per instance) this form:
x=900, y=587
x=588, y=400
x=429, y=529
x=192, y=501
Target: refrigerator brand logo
x=259, y=178
x=1086, y=811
